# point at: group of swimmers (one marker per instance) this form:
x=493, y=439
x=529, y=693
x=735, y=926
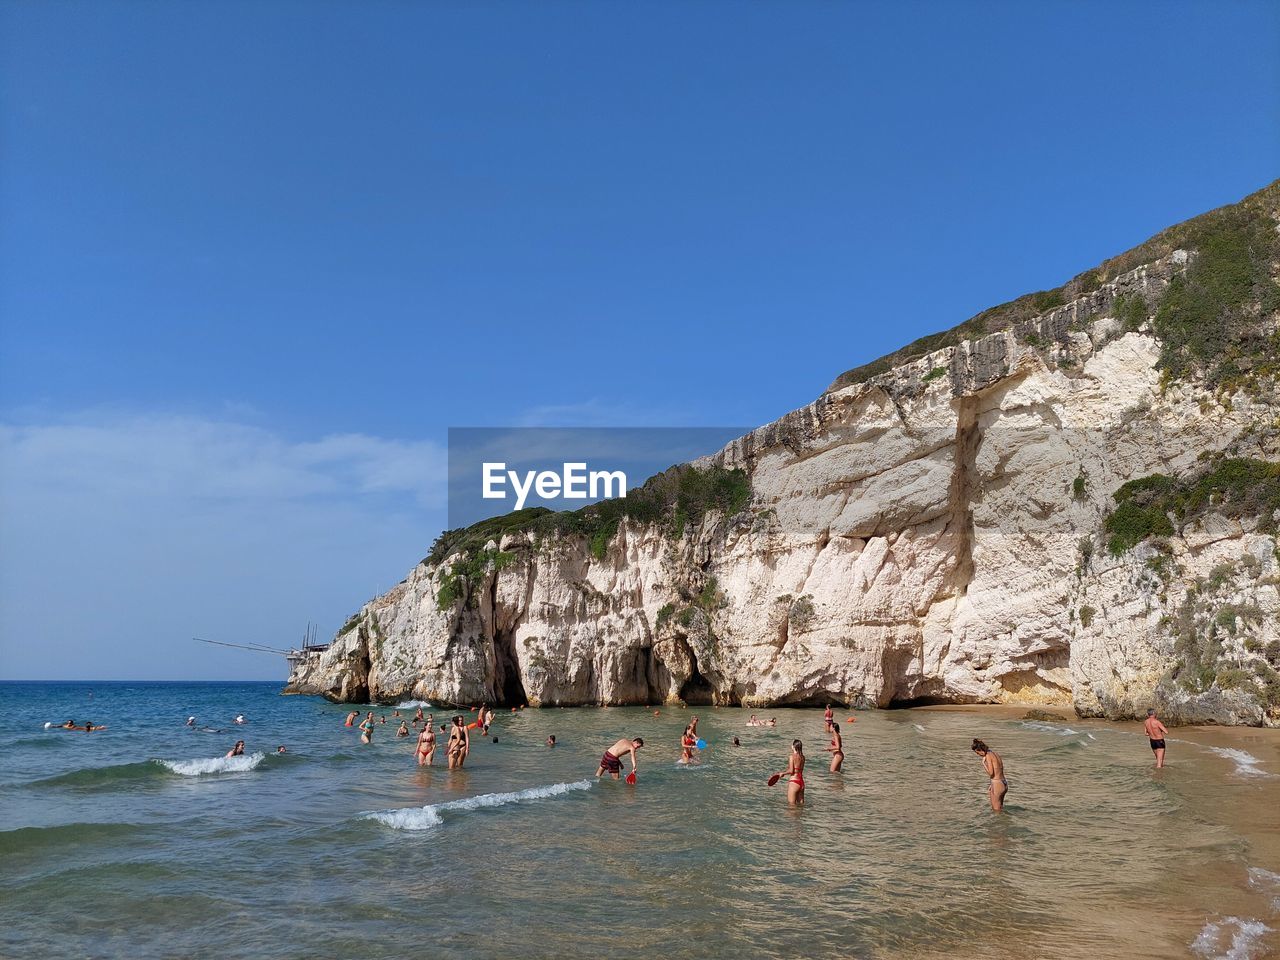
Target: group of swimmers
x=238, y=750
x=992, y=762
x=458, y=747
x=458, y=742
x=87, y=728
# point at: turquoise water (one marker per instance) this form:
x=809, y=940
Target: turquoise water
x=116, y=844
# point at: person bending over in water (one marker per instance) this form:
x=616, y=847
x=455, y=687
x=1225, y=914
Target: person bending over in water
x=836, y=749
x=426, y=749
x=237, y=750
x=611, y=761
x=994, y=766
x=1156, y=733
x=366, y=728
x=795, y=774
x=459, y=744
x=351, y=718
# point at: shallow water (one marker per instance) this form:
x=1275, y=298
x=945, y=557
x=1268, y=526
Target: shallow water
x=140, y=841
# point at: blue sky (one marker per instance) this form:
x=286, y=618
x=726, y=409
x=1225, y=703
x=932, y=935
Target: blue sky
x=256, y=258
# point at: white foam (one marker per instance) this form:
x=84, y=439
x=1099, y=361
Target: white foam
x=1049, y=728
x=204, y=765
x=1244, y=938
x=1267, y=882
x=918, y=727
x=410, y=704
x=1246, y=763
x=425, y=818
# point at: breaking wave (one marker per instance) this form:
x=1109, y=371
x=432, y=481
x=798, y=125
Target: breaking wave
x=202, y=766
x=1266, y=882
x=425, y=818
x=1246, y=763
x=1049, y=728
x=411, y=704
x=1230, y=938
x=124, y=774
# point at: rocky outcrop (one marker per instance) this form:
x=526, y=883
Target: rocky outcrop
x=931, y=533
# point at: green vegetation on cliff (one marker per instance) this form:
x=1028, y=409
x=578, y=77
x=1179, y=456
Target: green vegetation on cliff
x=1234, y=487
x=676, y=498
x=1209, y=321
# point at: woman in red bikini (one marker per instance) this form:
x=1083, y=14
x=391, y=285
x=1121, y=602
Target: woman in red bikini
x=687, y=742
x=795, y=774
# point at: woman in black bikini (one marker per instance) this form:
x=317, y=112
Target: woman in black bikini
x=994, y=766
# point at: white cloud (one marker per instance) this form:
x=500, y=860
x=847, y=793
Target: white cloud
x=123, y=536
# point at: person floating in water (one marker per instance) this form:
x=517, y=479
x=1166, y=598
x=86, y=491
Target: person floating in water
x=366, y=728
x=237, y=750
x=459, y=744
x=836, y=749
x=426, y=749
x=994, y=766
x=351, y=718
x=611, y=761
x=1156, y=733
x=239, y=718
x=191, y=721
x=795, y=774
x=280, y=749
x=828, y=717
x=551, y=740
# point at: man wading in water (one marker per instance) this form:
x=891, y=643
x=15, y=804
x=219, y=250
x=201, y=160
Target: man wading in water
x=1156, y=733
x=611, y=762
x=994, y=766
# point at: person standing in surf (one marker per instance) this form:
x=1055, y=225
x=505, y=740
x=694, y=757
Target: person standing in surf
x=611, y=761
x=828, y=717
x=459, y=744
x=351, y=718
x=417, y=718
x=366, y=728
x=1156, y=733
x=425, y=750
x=836, y=749
x=794, y=774
x=403, y=729
x=994, y=766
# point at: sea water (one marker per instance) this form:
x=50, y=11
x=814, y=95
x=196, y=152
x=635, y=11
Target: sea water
x=144, y=840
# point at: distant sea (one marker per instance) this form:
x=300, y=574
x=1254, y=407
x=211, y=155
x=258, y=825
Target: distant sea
x=144, y=841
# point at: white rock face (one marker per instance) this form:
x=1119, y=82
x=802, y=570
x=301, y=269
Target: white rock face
x=932, y=533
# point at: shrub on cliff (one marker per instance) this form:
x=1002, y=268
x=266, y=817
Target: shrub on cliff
x=1232, y=486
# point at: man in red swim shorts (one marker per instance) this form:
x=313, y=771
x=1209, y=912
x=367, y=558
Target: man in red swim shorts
x=611, y=762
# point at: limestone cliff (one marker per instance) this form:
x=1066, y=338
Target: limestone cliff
x=1072, y=498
